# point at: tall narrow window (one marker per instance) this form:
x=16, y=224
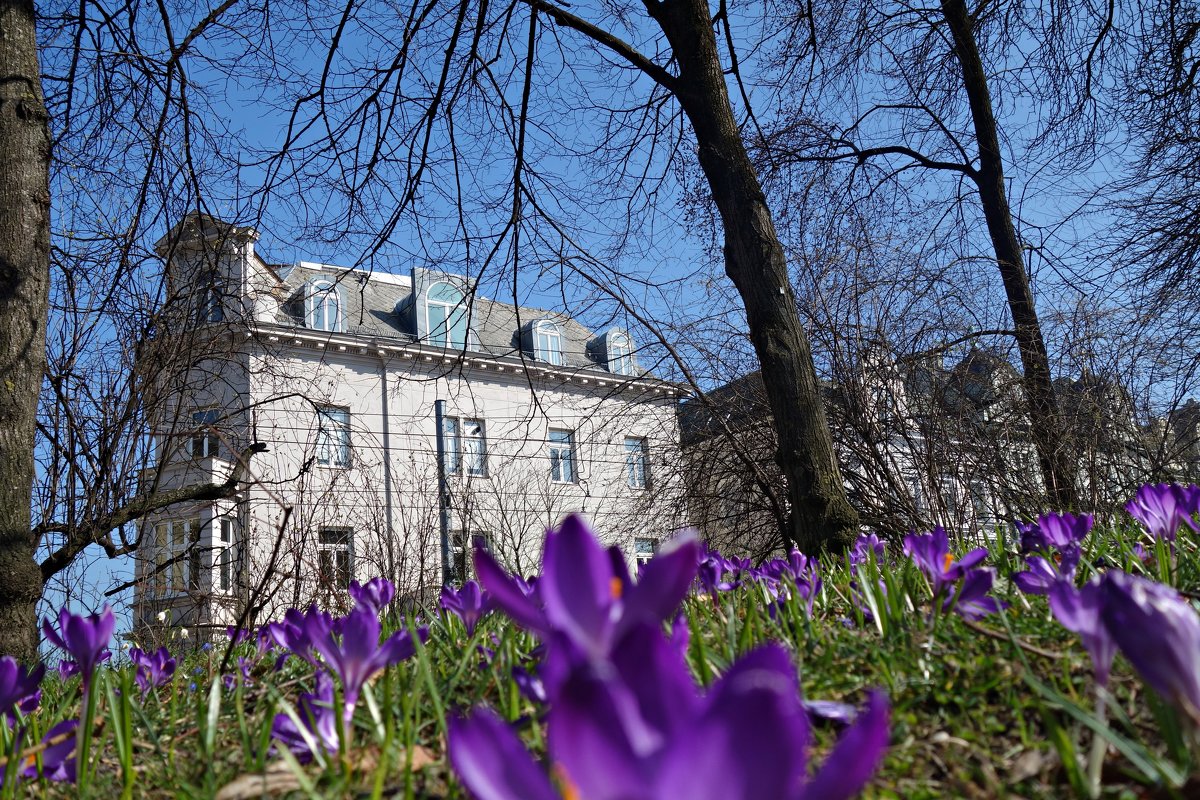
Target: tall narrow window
x=205, y=441
x=637, y=463
x=547, y=342
x=208, y=301
x=177, y=556
x=620, y=353
x=228, y=556
x=446, y=316
x=333, y=437
x=324, y=306
x=644, y=550
x=451, y=447
x=562, y=456
x=334, y=563
x=474, y=448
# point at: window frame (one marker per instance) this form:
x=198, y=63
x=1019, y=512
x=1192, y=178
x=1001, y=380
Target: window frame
x=228, y=554
x=205, y=441
x=547, y=342
x=465, y=452
x=640, y=559
x=333, y=422
x=619, y=357
x=320, y=296
x=637, y=460
x=173, y=540
x=331, y=572
x=451, y=331
x=556, y=452
x=209, y=308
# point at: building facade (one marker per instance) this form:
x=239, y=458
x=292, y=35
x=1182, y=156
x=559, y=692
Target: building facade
x=353, y=381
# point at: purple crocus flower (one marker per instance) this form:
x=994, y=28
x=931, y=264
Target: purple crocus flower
x=58, y=757
x=375, y=594
x=355, y=653
x=1044, y=574
x=639, y=729
x=1162, y=508
x=585, y=592
x=153, y=669
x=19, y=687
x=1059, y=530
x=971, y=601
x=85, y=639
x=470, y=604
x=319, y=720
x=1078, y=610
x=1159, y=632
x=237, y=635
x=866, y=544
x=931, y=553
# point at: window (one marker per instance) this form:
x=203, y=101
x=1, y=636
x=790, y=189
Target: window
x=177, y=559
x=334, y=557
x=464, y=447
x=637, y=463
x=333, y=437
x=644, y=550
x=562, y=456
x=324, y=306
x=620, y=353
x=227, y=557
x=208, y=302
x=205, y=441
x=474, y=448
x=547, y=343
x=446, y=316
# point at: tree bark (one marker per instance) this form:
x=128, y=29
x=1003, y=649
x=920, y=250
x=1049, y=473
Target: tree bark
x=821, y=516
x=1058, y=470
x=24, y=298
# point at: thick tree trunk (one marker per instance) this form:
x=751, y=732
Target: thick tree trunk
x=24, y=286
x=1058, y=470
x=821, y=514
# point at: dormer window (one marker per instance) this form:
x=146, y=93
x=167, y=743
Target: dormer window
x=446, y=316
x=323, y=306
x=547, y=343
x=620, y=353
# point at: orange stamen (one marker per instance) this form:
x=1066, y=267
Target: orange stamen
x=616, y=587
x=565, y=787
x=946, y=564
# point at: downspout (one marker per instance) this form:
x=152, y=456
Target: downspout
x=387, y=459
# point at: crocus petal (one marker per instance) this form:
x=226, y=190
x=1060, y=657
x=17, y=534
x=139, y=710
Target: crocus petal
x=1078, y=610
x=507, y=593
x=1159, y=632
x=855, y=757
x=750, y=742
x=664, y=582
x=577, y=586
x=655, y=671
x=596, y=735
x=491, y=761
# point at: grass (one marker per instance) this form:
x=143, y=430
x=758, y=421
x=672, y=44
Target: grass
x=1000, y=708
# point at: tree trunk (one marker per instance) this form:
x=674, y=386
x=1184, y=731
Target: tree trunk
x=821, y=516
x=24, y=288
x=1058, y=473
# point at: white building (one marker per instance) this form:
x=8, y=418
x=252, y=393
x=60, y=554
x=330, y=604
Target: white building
x=337, y=372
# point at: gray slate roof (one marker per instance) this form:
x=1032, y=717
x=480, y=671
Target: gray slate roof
x=381, y=306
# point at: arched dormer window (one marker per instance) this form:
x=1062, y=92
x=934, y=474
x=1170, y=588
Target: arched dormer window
x=547, y=342
x=620, y=353
x=446, y=315
x=323, y=307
